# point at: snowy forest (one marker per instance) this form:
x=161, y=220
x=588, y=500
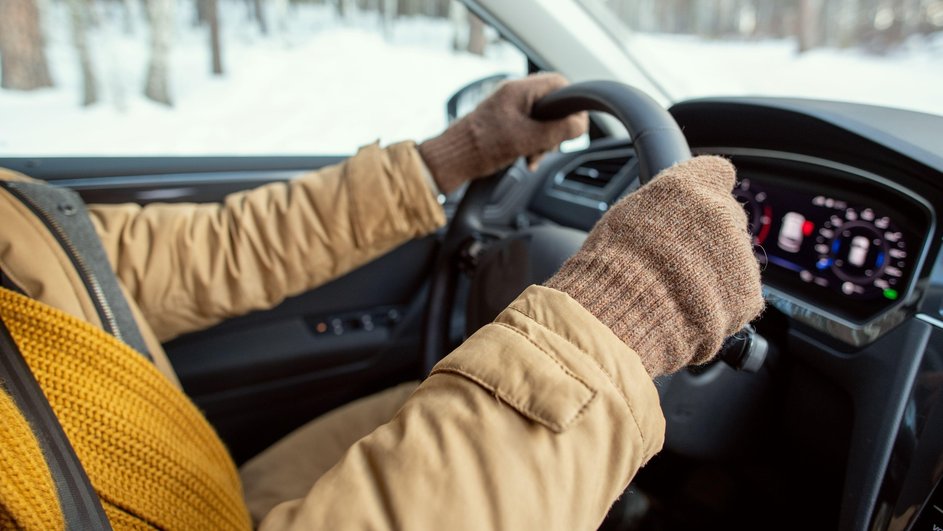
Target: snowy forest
x=874, y=25
x=877, y=26
x=23, y=58
x=83, y=77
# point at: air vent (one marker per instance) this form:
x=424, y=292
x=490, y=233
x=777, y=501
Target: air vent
x=596, y=176
x=597, y=173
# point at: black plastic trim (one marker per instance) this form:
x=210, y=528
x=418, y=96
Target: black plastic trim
x=879, y=379
x=57, y=168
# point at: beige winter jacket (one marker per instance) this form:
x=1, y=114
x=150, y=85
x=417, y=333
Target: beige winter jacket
x=538, y=421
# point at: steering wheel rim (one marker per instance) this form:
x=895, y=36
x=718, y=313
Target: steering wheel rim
x=658, y=142
x=656, y=137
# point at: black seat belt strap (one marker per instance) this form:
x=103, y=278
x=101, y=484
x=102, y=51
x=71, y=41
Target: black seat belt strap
x=81, y=507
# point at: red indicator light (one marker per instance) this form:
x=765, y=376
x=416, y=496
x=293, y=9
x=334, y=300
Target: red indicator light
x=808, y=228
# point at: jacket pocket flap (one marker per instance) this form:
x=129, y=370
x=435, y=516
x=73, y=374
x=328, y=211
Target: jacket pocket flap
x=523, y=374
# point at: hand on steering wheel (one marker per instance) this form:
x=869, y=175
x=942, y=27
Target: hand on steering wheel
x=499, y=131
x=670, y=269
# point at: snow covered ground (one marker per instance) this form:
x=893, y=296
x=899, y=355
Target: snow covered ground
x=326, y=86
x=908, y=78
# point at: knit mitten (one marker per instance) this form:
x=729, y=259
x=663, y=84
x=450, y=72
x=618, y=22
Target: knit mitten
x=670, y=269
x=498, y=132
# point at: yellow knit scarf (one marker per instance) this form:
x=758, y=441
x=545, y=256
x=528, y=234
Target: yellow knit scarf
x=149, y=453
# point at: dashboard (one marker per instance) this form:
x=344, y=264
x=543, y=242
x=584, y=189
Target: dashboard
x=852, y=248
x=842, y=202
x=844, y=243
x=841, y=247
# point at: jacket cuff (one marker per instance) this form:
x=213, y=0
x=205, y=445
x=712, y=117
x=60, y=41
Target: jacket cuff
x=391, y=181
x=420, y=199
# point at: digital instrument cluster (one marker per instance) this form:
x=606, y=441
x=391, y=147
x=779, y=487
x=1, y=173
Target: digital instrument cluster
x=853, y=251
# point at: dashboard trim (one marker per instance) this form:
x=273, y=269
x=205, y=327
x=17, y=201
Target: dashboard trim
x=174, y=179
x=558, y=189
x=849, y=332
x=932, y=321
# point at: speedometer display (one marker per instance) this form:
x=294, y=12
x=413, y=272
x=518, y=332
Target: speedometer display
x=852, y=251
x=867, y=253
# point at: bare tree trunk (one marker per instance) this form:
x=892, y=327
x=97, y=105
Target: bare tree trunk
x=844, y=24
x=78, y=13
x=766, y=19
x=476, y=35
x=127, y=17
x=346, y=8
x=212, y=16
x=910, y=18
x=201, y=15
x=866, y=11
x=716, y=25
x=157, y=84
x=701, y=14
x=259, y=12
x=388, y=10
x=458, y=18
x=409, y=8
x=280, y=8
x=23, y=60
x=343, y=8
x=647, y=20
x=808, y=24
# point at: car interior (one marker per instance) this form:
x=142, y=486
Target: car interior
x=837, y=425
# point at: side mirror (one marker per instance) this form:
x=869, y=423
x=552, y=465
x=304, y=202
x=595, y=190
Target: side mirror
x=468, y=97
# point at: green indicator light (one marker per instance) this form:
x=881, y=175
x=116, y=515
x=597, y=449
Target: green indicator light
x=890, y=294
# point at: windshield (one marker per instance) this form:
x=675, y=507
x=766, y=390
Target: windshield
x=881, y=52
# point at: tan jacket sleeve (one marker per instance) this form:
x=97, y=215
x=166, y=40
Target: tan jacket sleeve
x=189, y=266
x=538, y=421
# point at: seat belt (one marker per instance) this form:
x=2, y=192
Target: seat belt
x=81, y=507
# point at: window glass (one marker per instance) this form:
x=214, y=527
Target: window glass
x=201, y=77
x=882, y=52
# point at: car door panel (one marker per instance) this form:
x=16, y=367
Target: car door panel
x=311, y=353
x=258, y=376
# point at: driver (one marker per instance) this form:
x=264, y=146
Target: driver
x=539, y=420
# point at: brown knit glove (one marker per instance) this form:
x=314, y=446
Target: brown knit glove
x=498, y=132
x=670, y=269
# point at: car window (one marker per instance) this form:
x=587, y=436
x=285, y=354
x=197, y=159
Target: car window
x=224, y=77
x=887, y=53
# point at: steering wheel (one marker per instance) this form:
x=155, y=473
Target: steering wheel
x=658, y=143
